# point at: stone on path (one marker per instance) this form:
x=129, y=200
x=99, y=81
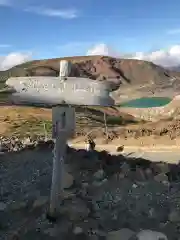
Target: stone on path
x=151, y=235
x=68, y=180
x=99, y=175
x=2, y=206
x=41, y=201
x=174, y=216
x=77, y=230
x=122, y=234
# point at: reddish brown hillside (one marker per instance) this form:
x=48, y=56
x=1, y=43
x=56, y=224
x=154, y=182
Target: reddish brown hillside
x=100, y=67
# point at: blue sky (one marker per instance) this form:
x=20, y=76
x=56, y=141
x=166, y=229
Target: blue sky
x=66, y=28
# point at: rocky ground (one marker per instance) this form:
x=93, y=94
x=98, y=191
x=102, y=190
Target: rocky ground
x=23, y=122
x=106, y=197
x=147, y=133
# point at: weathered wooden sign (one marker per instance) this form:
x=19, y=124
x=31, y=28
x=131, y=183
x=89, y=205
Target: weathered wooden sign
x=61, y=94
x=52, y=91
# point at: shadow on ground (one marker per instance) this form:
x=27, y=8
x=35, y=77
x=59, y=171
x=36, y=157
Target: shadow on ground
x=108, y=193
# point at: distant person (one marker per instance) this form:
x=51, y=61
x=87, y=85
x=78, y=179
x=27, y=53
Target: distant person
x=90, y=145
x=120, y=148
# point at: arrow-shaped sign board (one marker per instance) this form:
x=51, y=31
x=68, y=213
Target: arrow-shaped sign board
x=52, y=91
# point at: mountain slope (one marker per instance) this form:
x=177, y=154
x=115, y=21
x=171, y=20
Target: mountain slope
x=132, y=71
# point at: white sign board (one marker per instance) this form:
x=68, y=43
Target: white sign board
x=52, y=91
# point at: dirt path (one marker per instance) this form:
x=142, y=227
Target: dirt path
x=169, y=154
x=112, y=147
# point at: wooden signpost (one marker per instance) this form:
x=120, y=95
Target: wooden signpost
x=62, y=94
x=63, y=127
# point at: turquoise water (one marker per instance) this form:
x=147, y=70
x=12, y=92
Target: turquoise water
x=147, y=102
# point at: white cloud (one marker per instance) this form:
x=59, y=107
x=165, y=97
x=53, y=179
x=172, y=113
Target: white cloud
x=62, y=13
x=165, y=57
x=13, y=59
x=102, y=49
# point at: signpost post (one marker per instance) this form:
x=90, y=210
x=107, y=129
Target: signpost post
x=63, y=119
